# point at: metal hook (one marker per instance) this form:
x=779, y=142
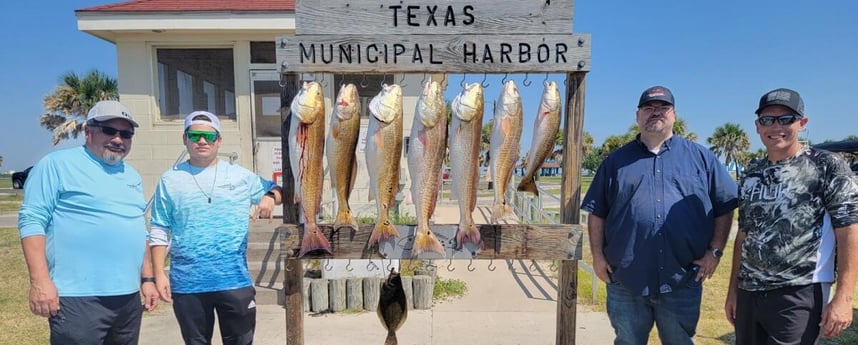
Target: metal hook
x=553, y=267
x=328, y=266
x=371, y=266
x=525, y=82
x=282, y=81
x=286, y=266
x=471, y=269
x=484, y=83
x=423, y=81
x=503, y=81
x=389, y=264
x=532, y=266
x=349, y=266
x=383, y=79
x=402, y=81
x=546, y=78
x=450, y=266
x=492, y=265
x=462, y=83
x=363, y=83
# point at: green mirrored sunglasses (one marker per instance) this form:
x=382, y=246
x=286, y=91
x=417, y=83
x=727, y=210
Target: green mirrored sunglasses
x=195, y=136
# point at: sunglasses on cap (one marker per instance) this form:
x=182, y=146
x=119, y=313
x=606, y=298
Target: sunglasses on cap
x=110, y=131
x=195, y=136
x=784, y=120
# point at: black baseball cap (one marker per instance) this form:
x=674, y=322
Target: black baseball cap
x=656, y=93
x=785, y=97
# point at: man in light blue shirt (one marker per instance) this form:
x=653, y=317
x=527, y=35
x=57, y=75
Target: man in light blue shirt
x=201, y=210
x=83, y=233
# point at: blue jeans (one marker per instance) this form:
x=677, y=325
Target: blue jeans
x=675, y=315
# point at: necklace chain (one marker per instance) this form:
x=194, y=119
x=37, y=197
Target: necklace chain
x=214, y=181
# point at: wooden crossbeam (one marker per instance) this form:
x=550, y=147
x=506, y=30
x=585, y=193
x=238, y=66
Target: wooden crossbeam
x=506, y=241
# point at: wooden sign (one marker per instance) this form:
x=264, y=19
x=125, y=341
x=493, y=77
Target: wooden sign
x=328, y=17
x=510, y=53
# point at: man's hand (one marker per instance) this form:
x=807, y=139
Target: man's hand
x=708, y=263
x=602, y=269
x=150, y=296
x=265, y=209
x=730, y=307
x=44, y=299
x=836, y=318
x=162, y=283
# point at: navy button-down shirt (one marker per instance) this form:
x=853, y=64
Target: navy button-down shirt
x=659, y=211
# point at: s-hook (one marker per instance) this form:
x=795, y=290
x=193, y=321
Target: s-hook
x=363, y=83
x=328, y=266
x=349, y=266
x=450, y=266
x=492, y=265
x=401, y=81
x=525, y=82
x=371, y=266
x=471, y=269
x=483, y=83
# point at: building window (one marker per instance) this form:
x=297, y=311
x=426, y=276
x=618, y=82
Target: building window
x=196, y=79
x=263, y=52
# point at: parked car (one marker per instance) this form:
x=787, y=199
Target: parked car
x=19, y=178
x=846, y=146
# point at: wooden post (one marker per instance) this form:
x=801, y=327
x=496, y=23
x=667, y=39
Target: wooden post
x=354, y=295
x=294, y=271
x=570, y=199
x=423, y=287
x=409, y=291
x=337, y=294
x=371, y=293
x=319, y=295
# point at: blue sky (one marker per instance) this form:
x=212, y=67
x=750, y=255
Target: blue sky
x=718, y=58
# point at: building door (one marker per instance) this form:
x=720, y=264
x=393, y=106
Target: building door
x=267, y=154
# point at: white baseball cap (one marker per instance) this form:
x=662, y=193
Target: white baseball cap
x=212, y=121
x=108, y=110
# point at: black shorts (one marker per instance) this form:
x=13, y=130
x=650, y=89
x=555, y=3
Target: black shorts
x=236, y=314
x=788, y=315
x=110, y=320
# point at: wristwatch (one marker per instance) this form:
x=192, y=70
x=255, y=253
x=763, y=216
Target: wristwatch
x=716, y=251
x=147, y=280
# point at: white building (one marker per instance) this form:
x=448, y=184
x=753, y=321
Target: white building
x=178, y=56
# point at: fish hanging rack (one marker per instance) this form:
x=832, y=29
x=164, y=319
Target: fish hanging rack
x=324, y=28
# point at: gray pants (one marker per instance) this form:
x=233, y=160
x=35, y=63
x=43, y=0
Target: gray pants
x=97, y=320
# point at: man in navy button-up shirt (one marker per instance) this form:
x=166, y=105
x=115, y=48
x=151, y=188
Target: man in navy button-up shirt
x=660, y=208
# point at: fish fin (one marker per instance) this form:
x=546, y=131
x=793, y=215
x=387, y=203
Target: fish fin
x=424, y=139
x=391, y=339
x=502, y=211
x=353, y=177
x=379, y=140
x=345, y=219
x=335, y=129
x=381, y=232
x=468, y=233
x=506, y=126
x=528, y=185
x=425, y=241
x=314, y=239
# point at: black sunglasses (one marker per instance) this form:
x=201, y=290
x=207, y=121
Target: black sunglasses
x=784, y=120
x=110, y=131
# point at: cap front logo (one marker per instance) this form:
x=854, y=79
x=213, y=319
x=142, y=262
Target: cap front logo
x=779, y=95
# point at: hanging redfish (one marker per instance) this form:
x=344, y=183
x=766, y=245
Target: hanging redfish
x=544, y=132
x=306, y=152
x=425, y=156
x=383, y=149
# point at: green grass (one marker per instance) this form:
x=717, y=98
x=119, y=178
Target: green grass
x=446, y=289
x=5, y=181
x=19, y=326
x=10, y=203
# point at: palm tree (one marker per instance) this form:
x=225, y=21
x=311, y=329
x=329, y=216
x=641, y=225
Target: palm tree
x=729, y=141
x=67, y=106
x=586, y=145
